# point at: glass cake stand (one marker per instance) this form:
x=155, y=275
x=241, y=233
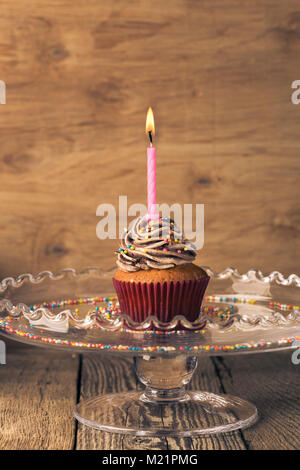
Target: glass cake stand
x=241, y=313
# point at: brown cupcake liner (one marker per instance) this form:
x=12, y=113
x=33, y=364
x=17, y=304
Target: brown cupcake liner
x=163, y=300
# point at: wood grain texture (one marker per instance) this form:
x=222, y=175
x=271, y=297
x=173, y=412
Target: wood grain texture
x=37, y=397
x=272, y=383
x=99, y=377
x=79, y=80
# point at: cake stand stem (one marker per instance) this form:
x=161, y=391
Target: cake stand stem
x=165, y=378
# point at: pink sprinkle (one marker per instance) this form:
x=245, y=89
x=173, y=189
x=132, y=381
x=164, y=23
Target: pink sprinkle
x=165, y=249
x=178, y=251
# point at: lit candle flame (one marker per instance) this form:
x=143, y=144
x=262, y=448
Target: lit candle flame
x=150, y=122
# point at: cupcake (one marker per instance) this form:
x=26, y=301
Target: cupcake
x=156, y=274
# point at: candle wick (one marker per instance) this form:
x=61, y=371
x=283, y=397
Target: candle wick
x=150, y=137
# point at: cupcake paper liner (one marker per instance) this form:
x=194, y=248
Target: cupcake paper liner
x=163, y=300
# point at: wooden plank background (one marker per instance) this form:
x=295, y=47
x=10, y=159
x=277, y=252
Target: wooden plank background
x=80, y=76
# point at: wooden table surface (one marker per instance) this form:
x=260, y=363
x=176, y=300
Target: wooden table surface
x=39, y=389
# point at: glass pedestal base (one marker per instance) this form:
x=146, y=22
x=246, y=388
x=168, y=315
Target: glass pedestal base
x=200, y=413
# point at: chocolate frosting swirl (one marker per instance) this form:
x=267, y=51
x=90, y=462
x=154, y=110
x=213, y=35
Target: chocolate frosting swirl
x=154, y=244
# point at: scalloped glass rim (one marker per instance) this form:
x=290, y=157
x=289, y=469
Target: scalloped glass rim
x=242, y=323
x=124, y=321
x=226, y=273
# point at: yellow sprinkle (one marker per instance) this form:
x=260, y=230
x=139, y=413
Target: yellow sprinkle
x=176, y=240
x=125, y=251
x=185, y=248
x=145, y=251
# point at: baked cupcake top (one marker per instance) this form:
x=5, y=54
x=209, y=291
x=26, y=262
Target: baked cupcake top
x=154, y=244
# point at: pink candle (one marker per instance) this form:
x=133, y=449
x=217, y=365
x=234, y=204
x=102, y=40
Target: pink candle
x=151, y=182
x=151, y=168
